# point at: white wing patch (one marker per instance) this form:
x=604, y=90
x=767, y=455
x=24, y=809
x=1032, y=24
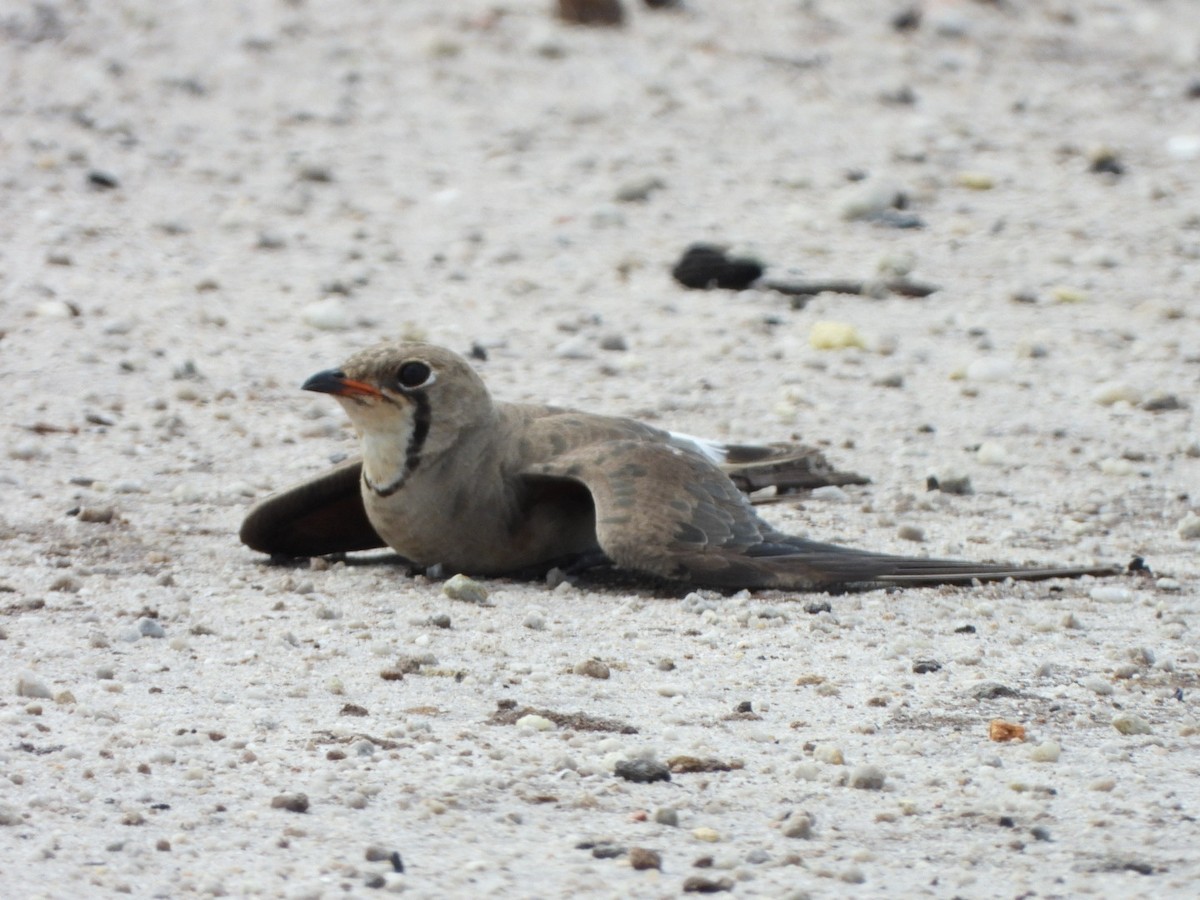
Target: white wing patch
x=714, y=451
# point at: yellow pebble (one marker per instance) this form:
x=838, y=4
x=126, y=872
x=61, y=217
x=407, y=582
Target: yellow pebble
x=1064, y=294
x=827, y=335
x=706, y=834
x=976, y=181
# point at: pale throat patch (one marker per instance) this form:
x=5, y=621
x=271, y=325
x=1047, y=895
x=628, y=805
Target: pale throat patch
x=385, y=461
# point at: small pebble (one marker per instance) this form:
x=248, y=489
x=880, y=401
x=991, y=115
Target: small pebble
x=534, y=621
x=1098, y=685
x=1110, y=594
x=705, y=266
x=829, y=493
x=829, y=335
x=829, y=754
x=1189, y=527
x=592, y=668
x=1113, y=392
x=1064, y=294
x=100, y=515
x=1184, y=147
x=297, y=803
x=639, y=189
x=926, y=666
x=329, y=314
x=991, y=453
x=699, y=884
x=706, y=834
x=1001, y=731
x=976, y=181
x=667, y=816
x=989, y=368
x=150, y=628
x=535, y=722
x=468, y=590
x=1131, y=723
x=640, y=858
x=798, y=826
x=1048, y=752
x=867, y=778
x=591, y=12
x=911, y=533
x=642, y=771
x=29, y=685
x=870, y=200
x=950, y=484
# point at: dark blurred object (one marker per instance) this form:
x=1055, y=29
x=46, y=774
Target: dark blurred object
x=591, y=12
x=706, y=266
x=908, y=19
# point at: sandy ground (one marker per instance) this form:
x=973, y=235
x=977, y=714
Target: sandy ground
x=179, y=184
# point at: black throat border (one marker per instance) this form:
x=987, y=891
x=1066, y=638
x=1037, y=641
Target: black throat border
x=412, y=453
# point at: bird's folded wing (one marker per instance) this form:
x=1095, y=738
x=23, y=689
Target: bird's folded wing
x=671, y=513
x=324, y=514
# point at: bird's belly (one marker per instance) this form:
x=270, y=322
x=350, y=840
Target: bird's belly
x=475, y=542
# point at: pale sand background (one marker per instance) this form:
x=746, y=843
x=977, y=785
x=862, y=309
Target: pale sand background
x=474, y=151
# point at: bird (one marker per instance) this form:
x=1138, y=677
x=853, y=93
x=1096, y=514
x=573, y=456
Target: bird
x=449, y=477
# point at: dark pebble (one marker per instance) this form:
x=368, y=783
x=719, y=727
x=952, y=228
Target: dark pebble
x=698, y=884
x=965, y=629
x=608, y=851
x=642, y=771
x=297, y=803
x=705, y=266
x=925, y=666
x=1006, y=822
x=105, y=181
x=812, y=607
x=591, y=12
x=991, y=690
x=375, y=881
x=908, y=19
x=1039, y=833
x=744, y=707
x=641, y=858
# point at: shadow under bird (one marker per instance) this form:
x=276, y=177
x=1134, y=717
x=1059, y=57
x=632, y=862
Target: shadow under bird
x=450, y=476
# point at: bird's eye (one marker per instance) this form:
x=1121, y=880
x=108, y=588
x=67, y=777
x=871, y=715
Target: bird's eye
x=413, y=375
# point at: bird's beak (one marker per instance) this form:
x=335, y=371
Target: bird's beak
x=331, y=381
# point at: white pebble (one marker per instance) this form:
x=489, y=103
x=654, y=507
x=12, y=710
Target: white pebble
x=326, y=315
x=1098, y=685
x=460, y=587
x=991, y=454
x=1111, y=392
x=829, y=754
x=1168, y=584
x=1048, y=751
x=53, y=309
x=535, y=621
x=867, y=778
x=829, y=493
x=576, y=347
x=1184, y=147
x=1110, y=594
x=29, y=685
x=989, y=369
x=535, y=722
x=1189, y=527
x=1114, y=465
x=1130, y=723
